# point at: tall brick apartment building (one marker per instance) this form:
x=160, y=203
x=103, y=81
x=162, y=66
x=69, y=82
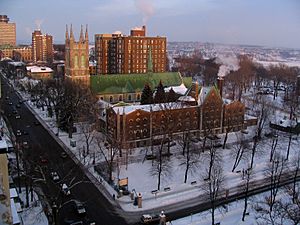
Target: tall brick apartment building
x=42, y=47
x=7, y=31
x=120, y=54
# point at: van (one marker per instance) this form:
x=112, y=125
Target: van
x=65, y=189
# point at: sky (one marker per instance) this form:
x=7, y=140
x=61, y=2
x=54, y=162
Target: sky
x=274, y=23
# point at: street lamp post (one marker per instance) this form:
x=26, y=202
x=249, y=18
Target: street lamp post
x=18, y=166
x=54, y=211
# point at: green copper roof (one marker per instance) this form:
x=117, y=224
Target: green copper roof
x=130, y=83
x=187, y=81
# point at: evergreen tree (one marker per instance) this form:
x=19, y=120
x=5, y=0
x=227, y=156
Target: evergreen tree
x=147, y=95
x=172, y=96
x=160, y=95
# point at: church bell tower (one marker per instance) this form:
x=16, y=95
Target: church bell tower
x=77, y=56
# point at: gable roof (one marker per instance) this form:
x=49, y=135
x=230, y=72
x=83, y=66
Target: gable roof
x=130, y=83
x=206, y=92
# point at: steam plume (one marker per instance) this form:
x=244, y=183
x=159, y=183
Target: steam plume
x=146, y=8
x=38, y=23
x=229, y=63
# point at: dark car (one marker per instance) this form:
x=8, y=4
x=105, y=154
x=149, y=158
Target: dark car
x=149, y=218
x=43, y=160
x=36, y=123
x=79, y=208
x=63, y=155
x=18, y=106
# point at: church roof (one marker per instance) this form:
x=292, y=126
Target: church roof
x=130, y=83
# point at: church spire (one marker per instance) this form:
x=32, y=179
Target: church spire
x=67, y=32
x=150, y=64
x=81, y=35
x=71, y=33
x=86, y=34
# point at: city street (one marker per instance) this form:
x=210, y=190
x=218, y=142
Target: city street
x=46, y=152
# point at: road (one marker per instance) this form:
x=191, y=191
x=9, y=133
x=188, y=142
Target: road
x=43, y=146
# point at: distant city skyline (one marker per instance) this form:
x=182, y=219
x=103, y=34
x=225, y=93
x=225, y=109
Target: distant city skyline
x=273, y=23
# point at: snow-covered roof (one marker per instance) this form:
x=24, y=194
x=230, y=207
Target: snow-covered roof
x=14, y=213
x=92, y=63
x=151, y=107
x=16, y=63
x=186, y=99
x=181, y=89
x=38, y=69
x=3, y=144
x=286, y=123
x=13, y=193
x=203, y=93
x=227, y=101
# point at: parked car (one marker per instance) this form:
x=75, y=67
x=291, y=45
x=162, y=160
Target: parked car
x=18, y=106
x=25, y=145
x=36, y=123
x=18, y=133
x=79, y=208
x=149, y=219
x=10, y=103
x=65, y=189
x=63, y=155
x=25, y=132
x=54, y=176
x=43, y=160
x=18, y=116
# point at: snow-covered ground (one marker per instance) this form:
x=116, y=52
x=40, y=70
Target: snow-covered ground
x=139, y=175
x=231, y=214
x=34, y=214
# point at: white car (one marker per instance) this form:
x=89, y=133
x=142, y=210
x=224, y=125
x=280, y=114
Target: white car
x=19, y=133
x=65, y=189
x=54, y=176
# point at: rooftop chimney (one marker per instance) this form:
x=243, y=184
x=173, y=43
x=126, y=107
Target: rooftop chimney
x=220, y=83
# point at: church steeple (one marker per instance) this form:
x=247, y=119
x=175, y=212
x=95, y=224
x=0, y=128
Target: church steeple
x=81, y=35
x=86, y=34
x=67, y=32
x=150, y=64
x=71, y=33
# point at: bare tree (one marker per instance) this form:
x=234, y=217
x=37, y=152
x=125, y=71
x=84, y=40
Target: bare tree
x=190, y=158
x=213, y=187
x=109, y=152
x=239, y=149
x=246, y=183
x=160, y=167
x=268, y=211
x=274, y=141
